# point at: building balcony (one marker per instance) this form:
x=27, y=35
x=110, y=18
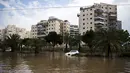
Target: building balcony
x=99, y=17
x=112, y=16
x=98, y=11
x=99, y=23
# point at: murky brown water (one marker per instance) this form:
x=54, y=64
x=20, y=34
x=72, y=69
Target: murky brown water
x=59, y=63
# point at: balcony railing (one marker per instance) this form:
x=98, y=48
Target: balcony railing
x=112, y=15
x=99, y=23
x=99, y=17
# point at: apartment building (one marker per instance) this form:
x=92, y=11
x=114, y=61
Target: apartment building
x=21, y=32
x=2, y=32
x=27, y=34
x=12, y=29
x=119, y=25
x=53, y=25
x=74, y=30
x=43, y=27
x=64, y=27
x=33, y=31
x=97, y=16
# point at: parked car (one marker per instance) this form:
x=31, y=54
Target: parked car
x=8, y=49
x=72, y=52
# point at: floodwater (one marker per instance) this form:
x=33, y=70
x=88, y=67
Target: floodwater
x=59, y=63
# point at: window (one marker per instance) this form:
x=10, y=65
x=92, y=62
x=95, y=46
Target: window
x=83, y=27
x=87, y=18
x=106, y=7
x=90, y=18
x=83, y=10
x=102, y=7
x=110, y=8
x=90, y=27
x=90, y=22
x=115, y=8
x=83, y=14
x=83, y=23
x=90, y=13
x=106, y=24
x=87, y=14
x=83, y=19
x=106, y=20
x=90, y=9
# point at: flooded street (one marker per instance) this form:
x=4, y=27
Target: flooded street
x=59, y=63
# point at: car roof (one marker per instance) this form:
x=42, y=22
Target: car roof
x=74, y=50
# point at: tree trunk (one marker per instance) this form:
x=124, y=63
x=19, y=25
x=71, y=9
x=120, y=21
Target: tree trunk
x=36, y=50
x=108, y=51
x=91, y=51
x=3, y=50
x=79, y=49
x=66, y=48
x=53, y=46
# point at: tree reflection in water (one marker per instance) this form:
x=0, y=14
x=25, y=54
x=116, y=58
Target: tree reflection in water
x=59, y=63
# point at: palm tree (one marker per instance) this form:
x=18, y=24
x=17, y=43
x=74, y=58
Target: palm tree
x=3, y=45
x=13, y=41
x=108, y=41
x=89, y=39
x=53, y=38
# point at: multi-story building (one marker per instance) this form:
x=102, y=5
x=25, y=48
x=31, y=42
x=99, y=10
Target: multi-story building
x=21, y=32
x=97, y=16
x=119, y=25
x=2, y=32
x=12, y=29
x=74, y=30
x=27, y=34
x=43, y=27
x=53, y=25
x=65, y=27
x=33, y=31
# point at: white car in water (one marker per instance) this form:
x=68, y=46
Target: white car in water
x=72, y=52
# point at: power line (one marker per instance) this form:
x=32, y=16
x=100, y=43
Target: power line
x=9, y=9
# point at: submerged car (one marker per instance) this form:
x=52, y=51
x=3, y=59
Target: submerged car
x=72, y=52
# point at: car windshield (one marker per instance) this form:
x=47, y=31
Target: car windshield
x=73, y=51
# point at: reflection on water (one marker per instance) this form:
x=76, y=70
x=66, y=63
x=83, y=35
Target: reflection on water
x=59, y=63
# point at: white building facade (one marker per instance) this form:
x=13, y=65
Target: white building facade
x=53, y=24
x=97, y=16
x=33, y=31
x=74, y=30
x=65, y=27
x=2, y=32
x=12, y=29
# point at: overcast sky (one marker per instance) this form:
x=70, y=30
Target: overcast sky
x=26, y=18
